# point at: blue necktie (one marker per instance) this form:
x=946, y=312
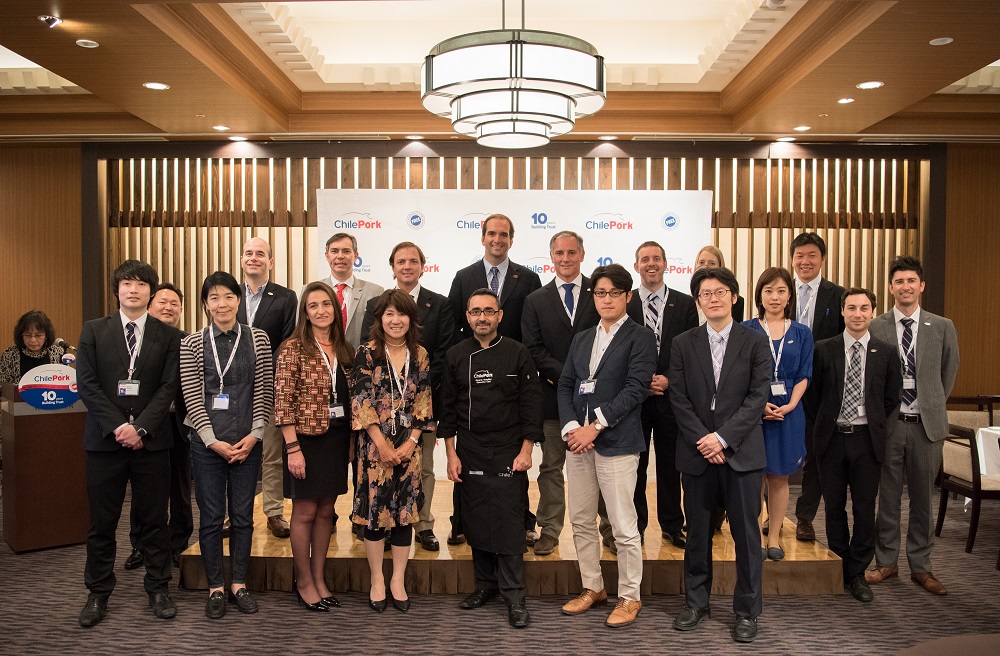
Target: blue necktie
x=495, y=280
x=568, y=296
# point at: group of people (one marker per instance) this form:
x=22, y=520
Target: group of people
x=595, y=369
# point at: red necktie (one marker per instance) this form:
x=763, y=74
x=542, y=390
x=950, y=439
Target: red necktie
x=343, y=305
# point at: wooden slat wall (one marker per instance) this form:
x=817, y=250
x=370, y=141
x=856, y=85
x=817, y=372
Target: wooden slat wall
x=867, y=210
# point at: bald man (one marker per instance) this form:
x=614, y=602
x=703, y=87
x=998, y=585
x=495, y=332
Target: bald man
x=272, y=308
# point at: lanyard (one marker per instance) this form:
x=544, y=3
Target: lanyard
x=393, y=382
x=332, y=368
x=215, y=354
x=776, y=358
x=135, y=354
x=905, y=355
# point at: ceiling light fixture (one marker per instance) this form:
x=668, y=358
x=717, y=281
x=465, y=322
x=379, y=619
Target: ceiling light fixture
x=802, y=128
x=785, y=139
x=51, y=21
x=414, y=137
x=607, y=137
x=87, y=43
x=874, y=84
x=220, y=128
x=513, y=88
x=846, y=101
x=237, y=138
x=941, y=41
x=156, y=86
x=822, y=115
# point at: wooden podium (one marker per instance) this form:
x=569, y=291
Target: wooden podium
x=44, y=476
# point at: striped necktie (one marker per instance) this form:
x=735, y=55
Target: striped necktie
x=652, y=316
x=495, y=280
x=805, y=292
x=909, y=395
x=718, y=353
x=130, y=337
x=853, y=388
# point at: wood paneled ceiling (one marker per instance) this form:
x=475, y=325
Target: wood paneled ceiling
x=764, y=78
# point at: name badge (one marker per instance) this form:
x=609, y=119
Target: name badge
x=909, y=382
x=220, y=402
x=861, y=411
x=588, y=386
x=778, y=388
x=336, y=411
x=128, y=387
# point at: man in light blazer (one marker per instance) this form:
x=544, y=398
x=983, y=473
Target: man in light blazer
x=272, y=308
x=603, y=384
x=855, y=389
x=817, y=307
x=668, y=313
x=127, y=372
x=928, y=354
x=353, y=293
x=719, y=374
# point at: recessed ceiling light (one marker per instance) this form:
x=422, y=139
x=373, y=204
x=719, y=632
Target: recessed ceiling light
x=199, y=116
x=236, y=138
x=156, y=86
x=785, y=139
x=220, y=128
x=51, y=21
x=802, y=128
x=941, y=41
x=846, y=101
x=87, y=43
x=823, y=115
x=607, y=137
x=414, y=137
x=874, y=84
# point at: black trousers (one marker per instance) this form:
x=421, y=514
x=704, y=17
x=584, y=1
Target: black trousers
x=663, y=428
x=108, y=475
x=741, y=491
x=501, y=572
x=812, y=490
x=849, y=462
x=181, y=518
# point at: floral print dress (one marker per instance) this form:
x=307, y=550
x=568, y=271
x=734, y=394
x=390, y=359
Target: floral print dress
x=387, y=496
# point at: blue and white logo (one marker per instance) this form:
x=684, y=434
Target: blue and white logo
x=361, y=267
x=669, y=221
x=415, y=220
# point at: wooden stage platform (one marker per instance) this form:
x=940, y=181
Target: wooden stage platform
x=808, y=568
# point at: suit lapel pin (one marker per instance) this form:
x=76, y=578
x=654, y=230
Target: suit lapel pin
x=270, y=293
x=428, y=304
x=515, y=275
x=874, y=350
x=927, y=323
x=791, y=341
x=670, y=305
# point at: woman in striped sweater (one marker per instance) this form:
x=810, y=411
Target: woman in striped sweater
x=227, y=382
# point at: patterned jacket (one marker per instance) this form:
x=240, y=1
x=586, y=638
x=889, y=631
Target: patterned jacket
x=302, y=389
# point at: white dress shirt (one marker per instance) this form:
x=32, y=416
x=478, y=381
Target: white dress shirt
x=502, y=267
x=811, y=310
x=725, y=332
x=601, y=343
x=577, y=284
x=912, y=408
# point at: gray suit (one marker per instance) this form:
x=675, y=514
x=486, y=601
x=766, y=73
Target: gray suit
x=362, y=292
x=914, y=450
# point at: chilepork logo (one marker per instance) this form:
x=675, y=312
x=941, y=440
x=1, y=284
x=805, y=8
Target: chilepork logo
x=482, y=377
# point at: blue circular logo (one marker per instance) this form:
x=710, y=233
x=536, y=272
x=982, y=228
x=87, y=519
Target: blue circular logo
x=49, y=387
x=415, y=220
x=669, y=221
x=357, y=262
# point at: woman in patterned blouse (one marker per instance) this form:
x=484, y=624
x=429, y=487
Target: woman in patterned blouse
x=391, y=406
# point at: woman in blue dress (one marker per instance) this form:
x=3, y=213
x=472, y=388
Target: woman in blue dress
x=784, y=419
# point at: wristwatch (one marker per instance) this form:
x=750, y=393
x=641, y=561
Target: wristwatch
x=598, y=425
x=141, y=432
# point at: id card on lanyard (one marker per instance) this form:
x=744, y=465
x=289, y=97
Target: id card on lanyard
x=335, y=409
x=220, y=401
x=395, y=381
x=777, y=386
x=130, y=386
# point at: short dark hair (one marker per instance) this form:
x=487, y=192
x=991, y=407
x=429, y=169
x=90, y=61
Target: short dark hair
x=168, y=287
x=220, y=279
x=498, y=216
x=406, y=244
x=482, y=291
x=34, y=319
x=337, y=236
x=722, y=274
x=854, y=291
x=770, y=276
x=616, y=273
x=906, y=263
x=561, y=233
x=647, y=244
x=134, y=270
x=807, y=239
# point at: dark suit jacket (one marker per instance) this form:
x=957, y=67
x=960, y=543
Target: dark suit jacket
x=102, y=360
x=623, y=376
x=739, y=400
x=828, y=321
x=680, y=315
x=437, y=333
x=276, y=314
x=547, y=332
x=517, y=284
x=883, y=383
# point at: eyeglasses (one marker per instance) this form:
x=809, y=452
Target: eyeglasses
x=32, y=335
x=718, y=293
x=614, y=293
x=490, y=312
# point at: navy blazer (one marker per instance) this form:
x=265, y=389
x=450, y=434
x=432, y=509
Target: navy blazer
x=828, y=320
x=623, y=377
x=739, y=399
x=517, y=284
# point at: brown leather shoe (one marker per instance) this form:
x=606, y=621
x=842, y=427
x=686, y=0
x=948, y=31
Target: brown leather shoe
x=930, y=583
x=278, y=526
x=878, y=574
x=586, y=599
x=804, y=531
x=624, y=612
x=545, y=545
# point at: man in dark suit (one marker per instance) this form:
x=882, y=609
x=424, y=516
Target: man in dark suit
x=855, y=390
x=272, y=308
x=437, y=331
x=603, y=384
x=719, y=375
x=511, y=283
x=127, y=373
x=818, y=308
x=552, y=316
x=667, y=313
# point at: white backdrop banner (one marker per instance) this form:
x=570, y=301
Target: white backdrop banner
x=446, y=226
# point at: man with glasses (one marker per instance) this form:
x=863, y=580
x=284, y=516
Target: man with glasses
x=492, y=402
x=719, y=376
x=603, y=384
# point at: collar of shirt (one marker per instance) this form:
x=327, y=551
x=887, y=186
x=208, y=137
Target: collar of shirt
x=251, y=292
x=216, y=331
x=140, y=324
x=349, y=282
x=503, y=266
x=662, y=292
x=712, y=332
x=899, y=316
x=415, y=292
x=577, y=282
x=610, y=334
x=849, y=341
x=813, y=284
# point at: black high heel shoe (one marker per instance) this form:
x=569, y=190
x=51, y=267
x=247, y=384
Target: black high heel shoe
x=378, y=606
x=401, y=606
x=330, y=602
x=317, y=607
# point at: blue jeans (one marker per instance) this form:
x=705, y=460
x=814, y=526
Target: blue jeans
x=214, y=481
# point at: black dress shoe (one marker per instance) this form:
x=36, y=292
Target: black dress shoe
x=319, y=606
x=94, y=610
x=378, y=606
x=860, y=589
x=689, y=618
x=163, y=606
x=245, y=603
x=676, y=539
x=330, y=602
x=456, y=538
x=518, y=616
x=428, y=540
x=401, y=606
x=175, y=557
x=477, y=599
x=745, y=629
x=134, y=560
x=216, y=606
